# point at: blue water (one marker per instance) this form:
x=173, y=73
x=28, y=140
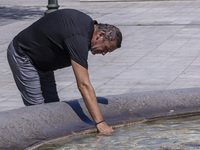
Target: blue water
x=173, y=134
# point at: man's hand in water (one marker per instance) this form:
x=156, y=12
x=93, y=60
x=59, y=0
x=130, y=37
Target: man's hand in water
x=104, y=128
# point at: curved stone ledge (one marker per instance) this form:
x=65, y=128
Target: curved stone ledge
x=27, y=126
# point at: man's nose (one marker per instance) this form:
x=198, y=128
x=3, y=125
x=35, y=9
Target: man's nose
x=103, y=53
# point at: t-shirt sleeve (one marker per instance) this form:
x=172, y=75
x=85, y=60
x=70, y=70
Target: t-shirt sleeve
x=77, y=47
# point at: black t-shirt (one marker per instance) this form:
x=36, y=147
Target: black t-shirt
x=55, y=39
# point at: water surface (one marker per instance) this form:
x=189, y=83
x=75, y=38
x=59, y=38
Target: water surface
x=172, y=134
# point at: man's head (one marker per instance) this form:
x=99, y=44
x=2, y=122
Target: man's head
x=106, y=38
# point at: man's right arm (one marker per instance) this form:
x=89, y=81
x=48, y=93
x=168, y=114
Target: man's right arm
x=89, y=97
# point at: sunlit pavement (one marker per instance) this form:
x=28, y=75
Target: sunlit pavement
x=160, y=49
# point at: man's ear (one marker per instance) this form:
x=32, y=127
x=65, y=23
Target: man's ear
x=100, y=34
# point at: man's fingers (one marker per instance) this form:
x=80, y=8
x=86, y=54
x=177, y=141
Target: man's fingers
x=103, y=128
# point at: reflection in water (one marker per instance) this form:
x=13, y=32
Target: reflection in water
x=174, y=134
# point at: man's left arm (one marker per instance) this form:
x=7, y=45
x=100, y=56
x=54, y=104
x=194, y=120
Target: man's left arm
x=89, y=97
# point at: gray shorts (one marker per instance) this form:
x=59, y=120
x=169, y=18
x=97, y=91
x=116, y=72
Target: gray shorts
x=36, y=87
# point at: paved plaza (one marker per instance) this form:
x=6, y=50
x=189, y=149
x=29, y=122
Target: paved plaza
x=160, y=48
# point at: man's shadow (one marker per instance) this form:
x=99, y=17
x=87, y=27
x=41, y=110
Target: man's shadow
x=79, y=111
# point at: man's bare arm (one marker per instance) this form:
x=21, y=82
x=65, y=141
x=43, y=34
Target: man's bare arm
x=89, y=97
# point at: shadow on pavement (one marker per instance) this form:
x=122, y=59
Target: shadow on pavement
x=10, y=14
x=75, y=105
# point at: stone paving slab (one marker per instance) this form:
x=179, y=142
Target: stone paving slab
x=160, y=48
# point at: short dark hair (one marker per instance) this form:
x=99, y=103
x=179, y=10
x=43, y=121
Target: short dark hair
x=112, y=33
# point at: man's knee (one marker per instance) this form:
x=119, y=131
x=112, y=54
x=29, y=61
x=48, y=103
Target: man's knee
x=32, y=101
